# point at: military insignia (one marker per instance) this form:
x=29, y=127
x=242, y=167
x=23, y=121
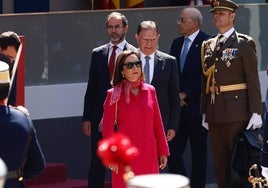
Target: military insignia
x=228, y=54
x=23, y=110
x=208, y=49
x=228, y=64
x=215, y=3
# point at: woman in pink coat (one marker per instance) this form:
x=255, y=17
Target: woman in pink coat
x=138, y=118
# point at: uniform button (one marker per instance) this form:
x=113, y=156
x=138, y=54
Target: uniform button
x=266, y=141
x=216, y=70
x=236, y=97
x=217, y=59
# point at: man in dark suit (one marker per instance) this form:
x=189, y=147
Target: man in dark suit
x=231, y=97
x=190, y=70
x=19, y=146
x=163, y=75
x=9, y=45
x=100, y=75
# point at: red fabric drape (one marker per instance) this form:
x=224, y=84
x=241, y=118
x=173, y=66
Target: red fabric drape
x=20, y=94
x=114, y=4
x=100, y=4
x=106, y=4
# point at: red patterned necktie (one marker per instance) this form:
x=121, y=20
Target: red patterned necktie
x=112, y=61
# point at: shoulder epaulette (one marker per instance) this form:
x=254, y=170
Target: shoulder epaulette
x=244, y=36
x=210, y=37
x=23, y=110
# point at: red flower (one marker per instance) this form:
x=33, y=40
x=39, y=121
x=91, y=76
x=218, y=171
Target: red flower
x=117, y=150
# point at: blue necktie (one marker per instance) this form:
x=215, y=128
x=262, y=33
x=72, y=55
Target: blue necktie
x=147, y=70
x=184, y=52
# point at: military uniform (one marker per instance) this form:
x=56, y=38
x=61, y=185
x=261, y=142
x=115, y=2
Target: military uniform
x=19, y=146
x=231, y=89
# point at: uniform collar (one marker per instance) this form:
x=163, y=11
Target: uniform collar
x=228, y=33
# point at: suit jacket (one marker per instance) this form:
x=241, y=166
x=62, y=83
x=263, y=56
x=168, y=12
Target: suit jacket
x=166, y=82
x=190, y=77
x=98, y=84
x=235, y=63
x=19, y=146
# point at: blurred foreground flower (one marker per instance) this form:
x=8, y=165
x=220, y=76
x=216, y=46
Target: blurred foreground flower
x=118, y=151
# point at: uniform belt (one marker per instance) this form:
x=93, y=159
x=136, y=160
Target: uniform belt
x=15, y=174
x=12, y=175
x=233, y=87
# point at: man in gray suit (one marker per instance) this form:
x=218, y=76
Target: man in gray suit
x=162, y=72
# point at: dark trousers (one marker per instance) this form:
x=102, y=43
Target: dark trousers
x=96, y=175
x=192, y=130
x=222, y=137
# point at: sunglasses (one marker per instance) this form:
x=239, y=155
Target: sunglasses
x=130, y=65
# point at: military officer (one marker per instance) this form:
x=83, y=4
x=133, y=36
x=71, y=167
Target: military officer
x=19, y=146
x=231, y=98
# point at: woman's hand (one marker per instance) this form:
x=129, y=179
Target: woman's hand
x=113, y=168
x=163, y=162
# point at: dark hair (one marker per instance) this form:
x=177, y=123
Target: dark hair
x=9, y=38
x=118, y=77
x=4, y=89
x=116, y=15
x=147, y=25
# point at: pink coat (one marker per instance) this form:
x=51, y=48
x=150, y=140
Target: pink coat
x=141, y=121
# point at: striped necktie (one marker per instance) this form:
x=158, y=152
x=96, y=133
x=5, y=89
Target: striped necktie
x=220, y=42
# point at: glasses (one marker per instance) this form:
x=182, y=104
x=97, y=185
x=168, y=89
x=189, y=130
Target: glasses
x=130, y=65
x=184, y=20
x=116, y=27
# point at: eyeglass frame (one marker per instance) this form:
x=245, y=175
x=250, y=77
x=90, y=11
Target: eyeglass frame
x=184, y=20
x=116, y=27
x=130, y=65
